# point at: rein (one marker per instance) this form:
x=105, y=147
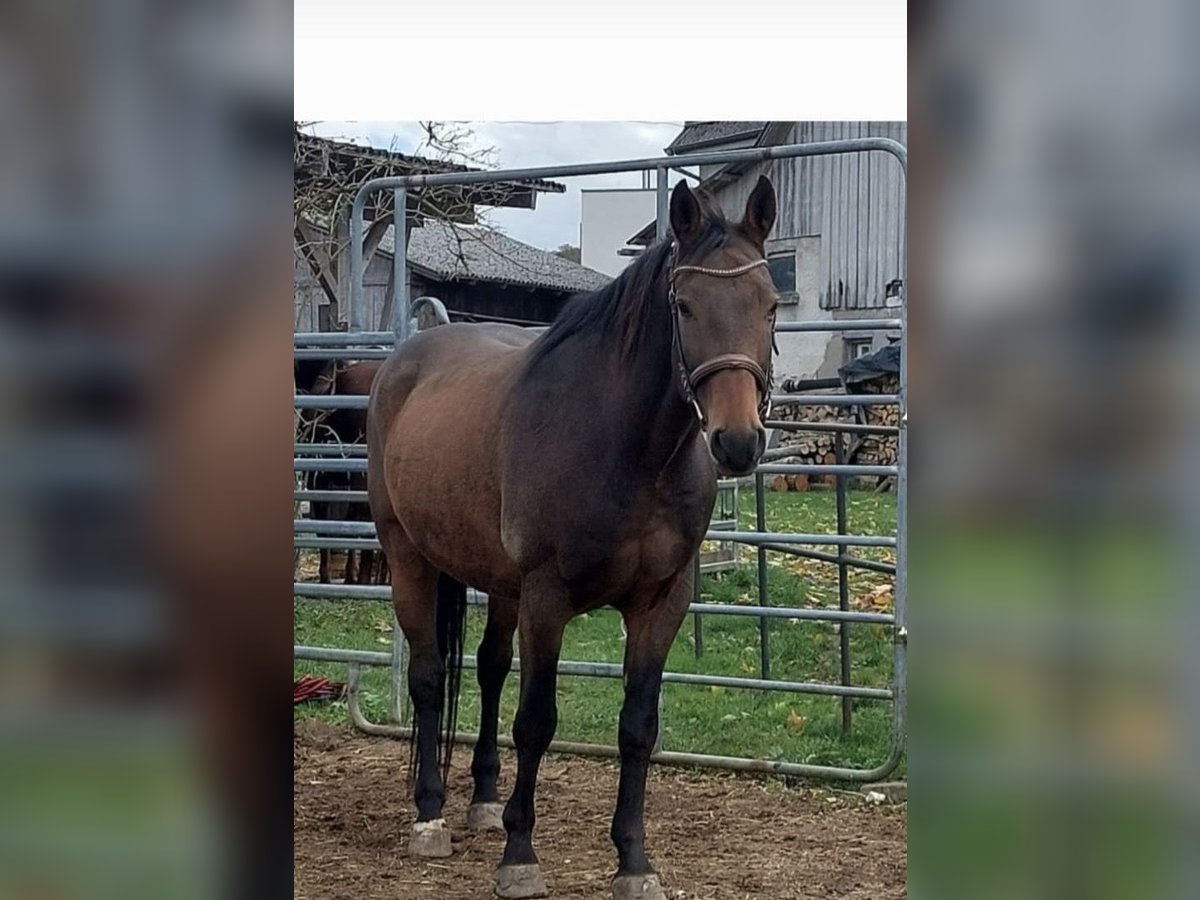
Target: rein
x=691, y=379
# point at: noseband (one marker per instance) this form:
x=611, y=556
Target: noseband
x=691, y=379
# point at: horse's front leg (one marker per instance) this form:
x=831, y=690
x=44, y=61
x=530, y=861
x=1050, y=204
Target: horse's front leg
x=651, y=627
x=544, y=613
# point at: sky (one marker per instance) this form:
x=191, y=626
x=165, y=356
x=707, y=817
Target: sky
x=556, y=219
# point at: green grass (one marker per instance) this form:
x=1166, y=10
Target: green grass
x=703, y=719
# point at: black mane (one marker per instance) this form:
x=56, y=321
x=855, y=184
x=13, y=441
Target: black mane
x=633, y=306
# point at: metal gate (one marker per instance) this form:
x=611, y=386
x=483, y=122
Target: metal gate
x=360, y=344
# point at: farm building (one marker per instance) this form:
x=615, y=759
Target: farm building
x=477, y=272
x=472, y=269
x=837, y=244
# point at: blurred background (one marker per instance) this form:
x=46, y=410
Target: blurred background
x=144, y=284
x=1054, y=376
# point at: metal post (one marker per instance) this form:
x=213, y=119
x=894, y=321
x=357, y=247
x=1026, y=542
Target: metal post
x=697, y=617
x=400, y=266
x=662, y=219
x=399, y=692
x=760, y=524
x=839, y=448
x=398, y=700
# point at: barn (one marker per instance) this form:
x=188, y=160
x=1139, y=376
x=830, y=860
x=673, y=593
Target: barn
x=476, y=271
x=479, y=274
x=838, y=242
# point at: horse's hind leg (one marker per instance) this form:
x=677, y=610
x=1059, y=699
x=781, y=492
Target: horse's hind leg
x=414, y=593
x=651, y=627
x=494, y=662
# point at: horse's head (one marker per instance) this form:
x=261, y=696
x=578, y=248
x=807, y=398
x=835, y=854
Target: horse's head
x=724, y=308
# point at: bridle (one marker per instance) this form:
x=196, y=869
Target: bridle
x=691, y=379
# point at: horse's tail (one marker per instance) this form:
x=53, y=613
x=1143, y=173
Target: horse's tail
x=451, y=622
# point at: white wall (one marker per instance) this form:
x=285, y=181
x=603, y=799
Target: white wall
x=608, y=219
x=802, y=354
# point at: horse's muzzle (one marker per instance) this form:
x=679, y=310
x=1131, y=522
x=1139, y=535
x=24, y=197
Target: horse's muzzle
x=737, y=452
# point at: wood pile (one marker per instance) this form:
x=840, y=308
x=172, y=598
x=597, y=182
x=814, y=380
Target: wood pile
x=817, y=447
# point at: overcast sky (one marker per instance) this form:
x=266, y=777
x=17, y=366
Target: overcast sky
x=556, y=219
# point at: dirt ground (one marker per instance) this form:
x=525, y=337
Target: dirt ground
x=710, y=835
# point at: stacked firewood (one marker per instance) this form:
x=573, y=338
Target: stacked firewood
x=817, y=447
x=879, y=449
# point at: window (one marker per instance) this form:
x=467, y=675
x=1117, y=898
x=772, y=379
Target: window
x=893, y=293
x=783, y=271
x=856, y=348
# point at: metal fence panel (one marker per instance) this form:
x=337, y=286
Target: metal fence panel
x=361, y=344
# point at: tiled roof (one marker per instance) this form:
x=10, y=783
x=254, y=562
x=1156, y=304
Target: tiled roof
x=699, y=133
x=477, y=253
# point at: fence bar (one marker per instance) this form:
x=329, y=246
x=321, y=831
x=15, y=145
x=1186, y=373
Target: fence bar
x=818, y=469
x=334, y=353
x=840, y=325
x=335, y=461
x=375, y=339
x=321, y=541
x=314, y=590
x=398, y=695
x=848, y=427
x=320, y=526
x=330, y=401
x=855, y=562
x=616, y=670
x=839, y=449
x=760, y=522
x=661, y=212
x=717, y=157
x=399, y=267
x=356, y=451
x=325, y=464
x=331, y=496
x=665, y=758
x=335, y=543
x=835, y=399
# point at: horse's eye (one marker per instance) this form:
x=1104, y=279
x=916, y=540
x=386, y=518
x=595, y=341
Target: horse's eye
x=686, y=311
x=774, y=309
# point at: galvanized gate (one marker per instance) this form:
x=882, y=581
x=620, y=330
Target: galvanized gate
x=361, y=344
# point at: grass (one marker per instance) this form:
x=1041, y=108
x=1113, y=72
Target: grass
x=703, y=719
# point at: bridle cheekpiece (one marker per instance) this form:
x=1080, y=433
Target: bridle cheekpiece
x=691, y=379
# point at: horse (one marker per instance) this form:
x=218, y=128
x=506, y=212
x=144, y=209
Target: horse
x=558, y=473
x=344, y=426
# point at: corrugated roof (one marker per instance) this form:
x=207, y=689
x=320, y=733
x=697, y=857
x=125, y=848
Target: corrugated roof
x=699, y=133
x=477, y=253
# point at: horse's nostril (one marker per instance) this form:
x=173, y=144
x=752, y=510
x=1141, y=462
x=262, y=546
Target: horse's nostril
x=738, y=450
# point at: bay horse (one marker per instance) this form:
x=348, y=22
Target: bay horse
x=559, y=473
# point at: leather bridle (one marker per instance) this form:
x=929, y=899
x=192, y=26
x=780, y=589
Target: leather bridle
x=691, y=379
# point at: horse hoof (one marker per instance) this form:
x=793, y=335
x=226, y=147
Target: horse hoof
x=514, y=882
x=430, y=840
x=485, y=817
x=637, y=887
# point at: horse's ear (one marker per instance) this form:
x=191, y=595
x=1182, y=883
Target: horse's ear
x=760, y=211
x=686, y=216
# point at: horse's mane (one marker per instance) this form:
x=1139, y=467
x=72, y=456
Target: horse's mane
x=633, y=306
